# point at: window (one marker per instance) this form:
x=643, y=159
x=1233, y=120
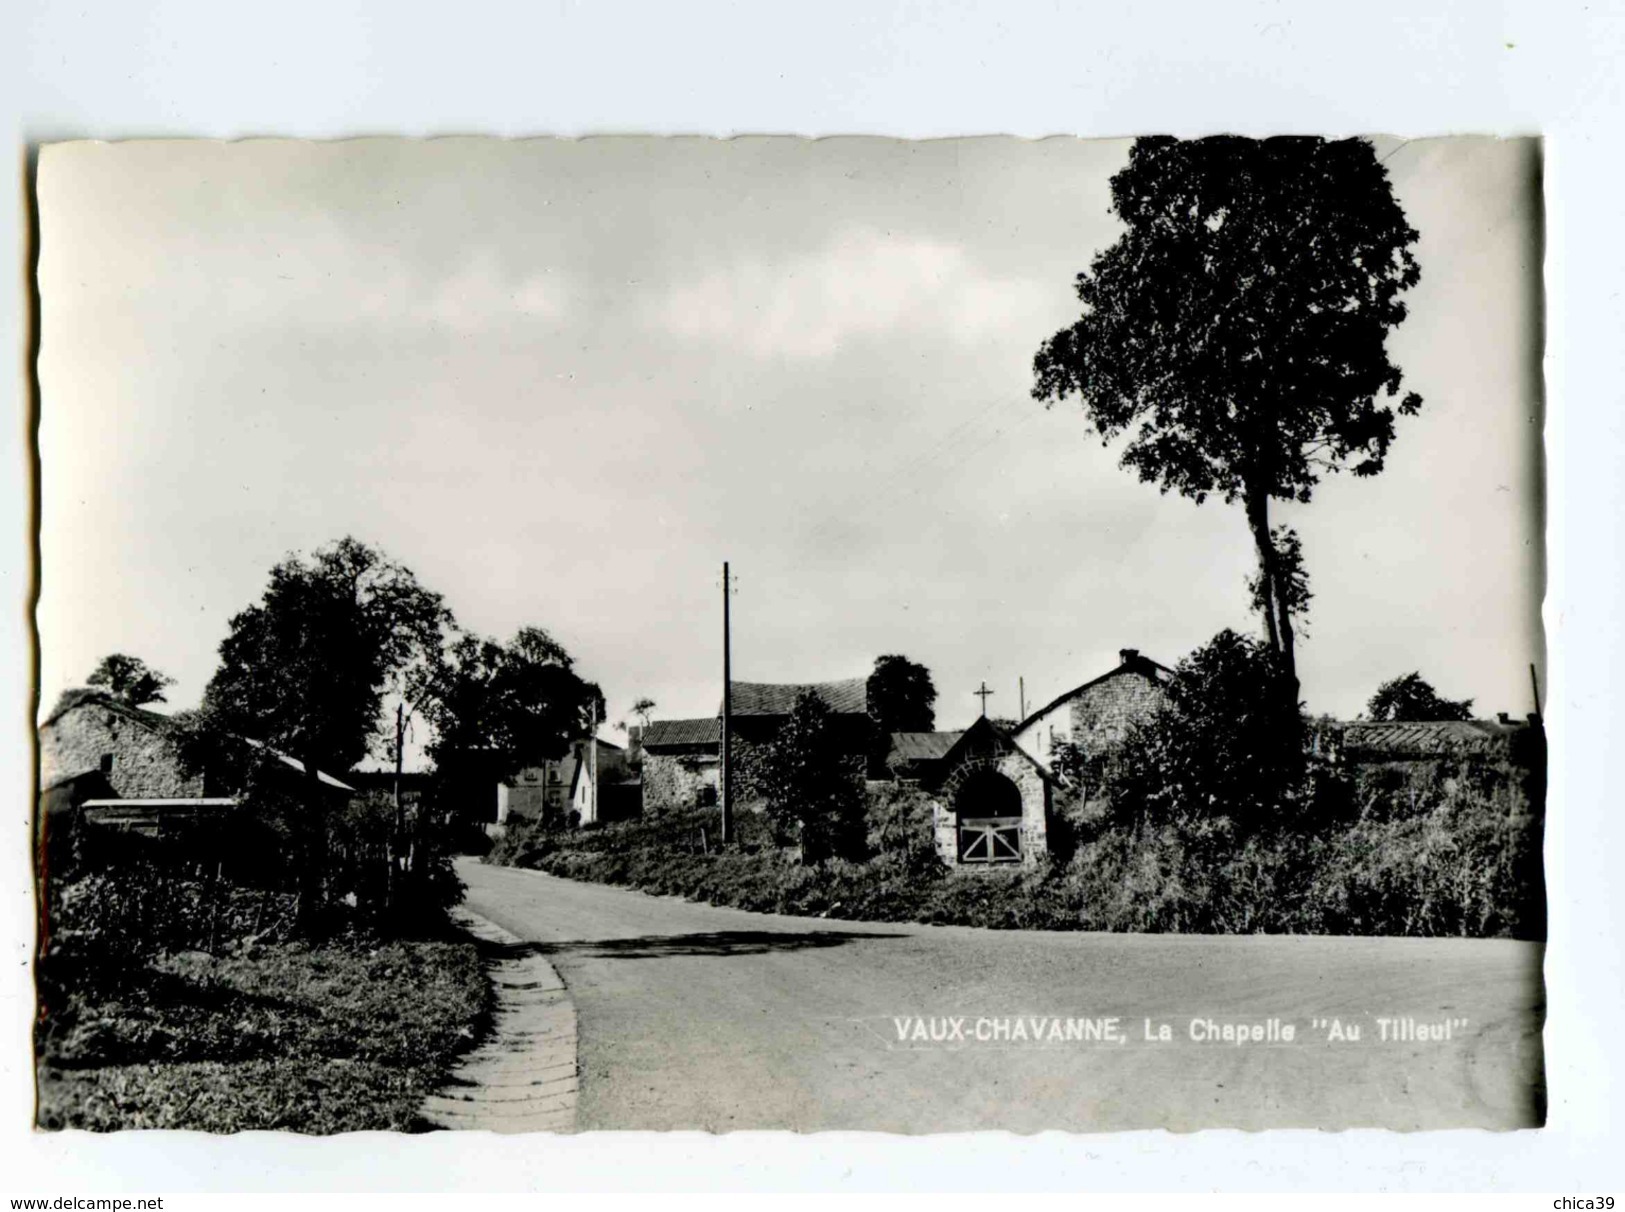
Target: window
x=107, y=763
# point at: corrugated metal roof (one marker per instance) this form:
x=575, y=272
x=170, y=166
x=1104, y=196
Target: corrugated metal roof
x=921, y=746
x=1427, y=738
x=663, y=733
x=849, y=696
x=321, y=775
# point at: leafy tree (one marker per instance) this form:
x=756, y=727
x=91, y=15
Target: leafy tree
x=812, y=787
x=901, y=695
x=497, y=708
x=305, y=669
x=1237, y=329
x=1215, y=752
x=642, y=709
x=1291, y=586
x=130, y=680
x=1411, y=698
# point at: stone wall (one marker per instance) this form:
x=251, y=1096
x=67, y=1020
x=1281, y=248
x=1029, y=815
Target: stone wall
x=1103, y=714
x=144, y=766
x=673, y=781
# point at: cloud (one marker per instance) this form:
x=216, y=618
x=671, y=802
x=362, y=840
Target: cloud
x=477, y=295
x=864, y=283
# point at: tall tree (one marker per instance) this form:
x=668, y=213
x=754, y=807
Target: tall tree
x=130, y=680
x=901, y=695
x=1238, y=328
x=1411, y=698
x=305, y=668
x=499, y=707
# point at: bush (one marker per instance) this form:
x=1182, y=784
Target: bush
x=1425, y=851
x=811, y=788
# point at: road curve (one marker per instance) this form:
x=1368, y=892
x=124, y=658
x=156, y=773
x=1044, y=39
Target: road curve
x=698, y=1017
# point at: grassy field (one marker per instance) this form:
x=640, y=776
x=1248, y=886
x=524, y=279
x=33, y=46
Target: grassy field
x=339, y=1037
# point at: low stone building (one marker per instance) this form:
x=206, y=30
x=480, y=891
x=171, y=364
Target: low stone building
x=761, y=709
x=916, y=757
x=1098, y=714
x=1410, y=758
x=682, y=763
x=682, y=759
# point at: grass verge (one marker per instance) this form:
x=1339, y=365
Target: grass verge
x=344, y=1036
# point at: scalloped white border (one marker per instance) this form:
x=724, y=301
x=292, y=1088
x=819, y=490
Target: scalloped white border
x=331, y=68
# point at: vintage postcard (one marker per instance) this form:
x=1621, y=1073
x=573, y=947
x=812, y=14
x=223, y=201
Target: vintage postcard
x=667, y=633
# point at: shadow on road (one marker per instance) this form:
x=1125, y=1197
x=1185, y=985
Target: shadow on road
x=716, y=942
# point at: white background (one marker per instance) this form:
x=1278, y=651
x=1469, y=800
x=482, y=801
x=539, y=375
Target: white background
x=336, y=68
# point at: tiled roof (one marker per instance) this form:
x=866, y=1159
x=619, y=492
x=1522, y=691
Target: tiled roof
x=847, y=697
x=920, y=746
x=1427, y=738
x=662, y=733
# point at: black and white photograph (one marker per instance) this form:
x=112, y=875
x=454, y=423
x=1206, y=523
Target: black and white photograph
x=638, y=633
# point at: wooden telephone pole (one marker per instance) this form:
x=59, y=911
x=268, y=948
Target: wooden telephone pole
x=727, y=712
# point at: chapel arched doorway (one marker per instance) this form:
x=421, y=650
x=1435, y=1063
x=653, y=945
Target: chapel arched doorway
x=987, y=814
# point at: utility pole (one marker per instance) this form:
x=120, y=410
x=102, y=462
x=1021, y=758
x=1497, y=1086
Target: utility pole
x=1021, y=692
x=727, y=713
x=593, y=766
x=982, y=694
x=398, y=860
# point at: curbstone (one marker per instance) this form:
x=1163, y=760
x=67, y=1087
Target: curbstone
x=525, y=1077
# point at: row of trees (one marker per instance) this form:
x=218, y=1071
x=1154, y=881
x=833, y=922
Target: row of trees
x=344, y=648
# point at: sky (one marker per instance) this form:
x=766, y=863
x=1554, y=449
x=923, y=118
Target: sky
x=564, y=380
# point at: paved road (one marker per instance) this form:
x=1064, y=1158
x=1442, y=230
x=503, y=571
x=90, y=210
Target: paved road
x=693, y=1016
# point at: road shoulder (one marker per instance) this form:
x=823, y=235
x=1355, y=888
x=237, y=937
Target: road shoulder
x=524, y=1077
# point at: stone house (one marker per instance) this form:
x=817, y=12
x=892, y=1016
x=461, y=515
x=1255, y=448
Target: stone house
x=113, y=764
x=761, y=709
x=544, y=790
x=682, y=759
x=1098, y=714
